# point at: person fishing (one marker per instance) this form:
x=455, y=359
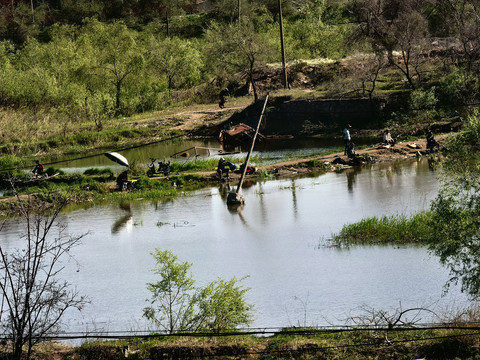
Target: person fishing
x=387, y=138
x=431, y=142
x=223, y=168
x=122, y=181
x=222, y=99
x=39, y=169
x=351, y=151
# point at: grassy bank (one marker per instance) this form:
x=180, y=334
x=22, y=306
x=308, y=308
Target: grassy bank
x=96, y=186
x=400, y=344
x=399, y=229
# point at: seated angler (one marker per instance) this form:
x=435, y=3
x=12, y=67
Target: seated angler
x=387, y=138
x=39, y=169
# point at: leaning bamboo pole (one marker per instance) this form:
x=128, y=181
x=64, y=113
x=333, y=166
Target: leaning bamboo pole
x=235, y=197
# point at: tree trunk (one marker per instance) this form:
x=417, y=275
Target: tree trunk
x=117, y=96
x=255, y=95
x=167, y=20
x=17, y=349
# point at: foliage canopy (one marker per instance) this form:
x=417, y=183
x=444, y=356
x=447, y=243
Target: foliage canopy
x=177, y=305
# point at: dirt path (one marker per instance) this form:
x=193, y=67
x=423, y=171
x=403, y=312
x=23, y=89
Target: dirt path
x=190, y=118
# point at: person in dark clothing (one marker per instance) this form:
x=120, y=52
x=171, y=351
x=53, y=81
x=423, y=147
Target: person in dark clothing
x=122, y=181
x=351, y=151
x=432, y=144
x=223, y=93
x=223, y=168
x=39, y=169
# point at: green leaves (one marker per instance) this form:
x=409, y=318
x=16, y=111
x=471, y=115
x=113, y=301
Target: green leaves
x=171, y=295
x=176, y=305
x=177, y=60
x=456, y=210
x=222, y=305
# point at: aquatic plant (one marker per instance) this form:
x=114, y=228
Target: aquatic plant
x=399, y=229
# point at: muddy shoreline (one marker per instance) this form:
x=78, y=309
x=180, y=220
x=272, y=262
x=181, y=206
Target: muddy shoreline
x=285, y=169
x=403, y=150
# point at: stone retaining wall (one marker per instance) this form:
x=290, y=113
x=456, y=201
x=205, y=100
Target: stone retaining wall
x=308, y=117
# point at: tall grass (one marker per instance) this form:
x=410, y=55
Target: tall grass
x=399, y=229
x=11, y=162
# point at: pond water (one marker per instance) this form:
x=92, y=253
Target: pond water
x=270, y=150
x=279, y=239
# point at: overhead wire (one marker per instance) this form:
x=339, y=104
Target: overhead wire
x=466, y=326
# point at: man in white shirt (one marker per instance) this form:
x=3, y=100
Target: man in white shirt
x=346, y=137
x=387, y=138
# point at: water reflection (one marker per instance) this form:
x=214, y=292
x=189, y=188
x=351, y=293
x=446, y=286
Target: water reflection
x=351, y=174
x=294, y=200
x=125, y=222
x=237, y=209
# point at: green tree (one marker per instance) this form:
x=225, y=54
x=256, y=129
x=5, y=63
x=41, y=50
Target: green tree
x=177, y=305
x=167, y=8
x=178, y=61
x=76, y=11
x=288, y=6
x=30, y=82
x=6, y=68
x=54, y=66
x=116, y=57
x=456, y=209
x=310, y=37
x=424, y=103
x=172, y=294
x=229, y=9
x=19, y=21
x=222, y=306
x=459, y=87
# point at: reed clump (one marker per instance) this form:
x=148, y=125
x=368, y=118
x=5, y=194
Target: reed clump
x=399, y=229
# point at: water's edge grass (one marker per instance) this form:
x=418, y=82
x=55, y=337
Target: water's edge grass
x=396, y=229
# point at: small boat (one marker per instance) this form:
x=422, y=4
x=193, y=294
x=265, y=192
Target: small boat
x=239, y=134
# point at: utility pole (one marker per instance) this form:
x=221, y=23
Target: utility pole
x=285, y=83
x=238, y=11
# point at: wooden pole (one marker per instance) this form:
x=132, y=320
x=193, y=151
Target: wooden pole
x=280, y=17
x=236, y=197
x=238, y=18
